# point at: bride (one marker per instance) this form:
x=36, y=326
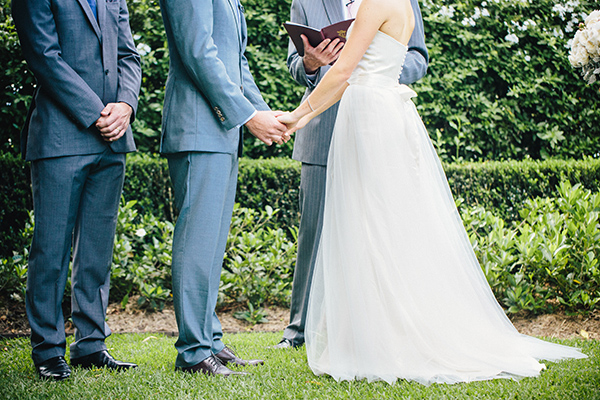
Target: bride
x=398, y=292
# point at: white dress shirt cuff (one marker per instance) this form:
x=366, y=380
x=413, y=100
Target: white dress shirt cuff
x=249, y=118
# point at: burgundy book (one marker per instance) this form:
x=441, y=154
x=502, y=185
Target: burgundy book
x=316, y=36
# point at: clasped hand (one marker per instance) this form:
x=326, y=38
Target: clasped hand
x=265, y=125
x=114, y=121
x=292, y=122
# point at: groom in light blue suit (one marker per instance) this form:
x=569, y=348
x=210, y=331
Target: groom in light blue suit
x=210, y=95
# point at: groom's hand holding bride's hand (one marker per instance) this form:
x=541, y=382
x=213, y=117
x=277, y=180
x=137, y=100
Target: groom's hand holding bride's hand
x=266, y=127
x=293, y=122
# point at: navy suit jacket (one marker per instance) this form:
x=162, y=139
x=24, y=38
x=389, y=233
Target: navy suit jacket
x=80, y=64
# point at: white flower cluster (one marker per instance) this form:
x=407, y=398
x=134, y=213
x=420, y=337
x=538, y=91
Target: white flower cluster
x=585, y=49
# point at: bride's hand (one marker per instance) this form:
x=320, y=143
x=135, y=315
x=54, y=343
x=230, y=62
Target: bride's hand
x=288, y=119
x=293, y=122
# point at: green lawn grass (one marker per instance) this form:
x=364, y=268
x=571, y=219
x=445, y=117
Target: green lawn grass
x=285, y=375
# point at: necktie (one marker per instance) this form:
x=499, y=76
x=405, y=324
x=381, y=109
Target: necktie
x=93, y=7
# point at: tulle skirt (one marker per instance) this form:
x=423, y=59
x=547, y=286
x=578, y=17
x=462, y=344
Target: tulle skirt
x=397, y=291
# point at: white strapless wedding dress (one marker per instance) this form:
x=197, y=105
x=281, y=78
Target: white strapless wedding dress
x=397, y=291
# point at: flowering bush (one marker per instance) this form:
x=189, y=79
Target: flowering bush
x=499, y=84
x=585, y=49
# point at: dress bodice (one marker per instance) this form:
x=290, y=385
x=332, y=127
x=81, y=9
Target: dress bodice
x=384, y=57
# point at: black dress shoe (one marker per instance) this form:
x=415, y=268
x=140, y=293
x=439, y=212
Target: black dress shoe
x=227, y=356
x=210, y=366
x=286, y=344
x=55, y=368
x=101, y=359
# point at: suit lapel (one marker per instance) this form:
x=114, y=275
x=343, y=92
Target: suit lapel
x=101, y=16
x=90, y=15
x=236, y=15
x=334, y=10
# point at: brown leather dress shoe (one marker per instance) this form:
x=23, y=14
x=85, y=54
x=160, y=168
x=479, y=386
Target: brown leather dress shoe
x=55, y=368
x=228, y=356
x=210, y=366
x=101, y=359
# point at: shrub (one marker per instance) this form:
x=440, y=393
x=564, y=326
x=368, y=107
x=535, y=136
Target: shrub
x=501, y=187
x=141, y=258
x=499, y=84
x=256, y=268
x=151, y=42
x=16, y=83
x=259, y=262
x=267, y=54
x=273, y=182
x=504, y=187
x=15, y=197
x=147, y=182
x=548, y=259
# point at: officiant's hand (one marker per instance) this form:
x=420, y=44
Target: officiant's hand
x=265, y=126
x=325, y=53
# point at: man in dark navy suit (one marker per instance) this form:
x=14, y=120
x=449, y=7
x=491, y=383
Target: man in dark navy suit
x=76, y=135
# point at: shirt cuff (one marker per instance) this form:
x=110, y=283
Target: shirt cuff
x=249, y=118
x=312, y=77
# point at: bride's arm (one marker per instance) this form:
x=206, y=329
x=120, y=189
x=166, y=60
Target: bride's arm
x=371, y=15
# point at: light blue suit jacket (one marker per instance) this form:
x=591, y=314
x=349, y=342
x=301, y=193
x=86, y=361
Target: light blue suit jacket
x=210, y=92
x=81, y=64
x=311, y=144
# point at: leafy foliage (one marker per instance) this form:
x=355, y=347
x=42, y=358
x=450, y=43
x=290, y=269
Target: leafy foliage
x=267, y=54
x=13, y=269
x=16, y=83
x=547, y=260
x=257, y=267
x=147, y=181
x=141, y=258
x=274, y=182
x=504, y=187
x=151, y=42
x=15, y=197
x=259, y=263
x=499, y=84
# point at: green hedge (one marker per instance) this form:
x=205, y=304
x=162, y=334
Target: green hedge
x=15, y=200
x=273, y=182
x=499, y=186
x=504, y=187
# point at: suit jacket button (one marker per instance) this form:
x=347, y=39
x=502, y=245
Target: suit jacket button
x=106, y=72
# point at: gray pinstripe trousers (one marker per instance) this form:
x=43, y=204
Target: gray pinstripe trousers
x=312, y=203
